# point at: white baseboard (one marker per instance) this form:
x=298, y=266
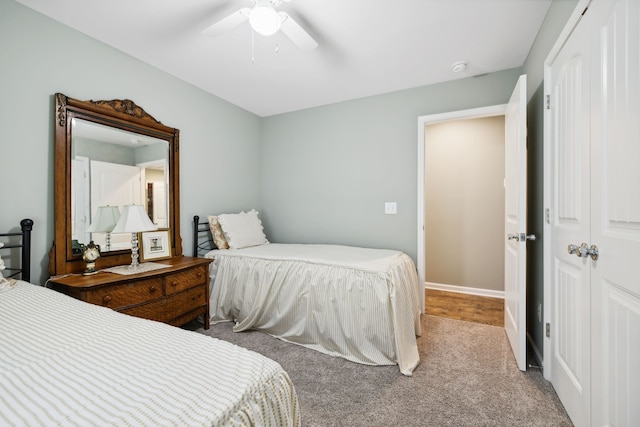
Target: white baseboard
x=465, y=290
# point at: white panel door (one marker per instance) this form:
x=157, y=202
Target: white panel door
x=115, y=185
x=515, y=262
x=159, y=204
x=80, y=214
x=570, y=222
x=596, y=186
x=615, y=229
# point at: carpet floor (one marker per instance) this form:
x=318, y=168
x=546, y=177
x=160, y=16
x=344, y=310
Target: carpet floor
x=467, y=377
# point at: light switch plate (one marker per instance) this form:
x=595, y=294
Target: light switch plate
x=390, y=208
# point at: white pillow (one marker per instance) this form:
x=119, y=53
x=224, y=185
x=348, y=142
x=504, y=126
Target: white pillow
x=1, y=262
x=242, y=230
x=5, y=285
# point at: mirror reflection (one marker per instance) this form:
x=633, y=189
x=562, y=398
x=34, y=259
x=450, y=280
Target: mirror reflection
x=111, y=168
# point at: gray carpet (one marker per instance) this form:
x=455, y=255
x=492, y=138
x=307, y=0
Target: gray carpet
x=467, y=377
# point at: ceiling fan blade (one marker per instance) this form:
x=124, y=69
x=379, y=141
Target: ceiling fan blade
x=228, y=23
x=296, y=33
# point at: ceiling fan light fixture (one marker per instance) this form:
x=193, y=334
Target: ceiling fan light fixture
x=264, y=20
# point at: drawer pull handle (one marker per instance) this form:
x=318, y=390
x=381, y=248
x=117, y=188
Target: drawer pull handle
x=152, y=289
x=174, y=284
x=106, y=299
x=198, y=275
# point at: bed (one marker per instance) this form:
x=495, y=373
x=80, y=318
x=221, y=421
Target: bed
x=361, y=304
x=67, y=362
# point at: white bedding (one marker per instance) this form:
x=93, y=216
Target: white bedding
x=357, y=303
x=66, y=362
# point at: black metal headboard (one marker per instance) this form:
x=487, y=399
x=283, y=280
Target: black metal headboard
x=202, y=239
x=25, y=243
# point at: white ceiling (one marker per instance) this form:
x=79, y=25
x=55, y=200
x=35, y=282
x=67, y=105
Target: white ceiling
x=366, y=47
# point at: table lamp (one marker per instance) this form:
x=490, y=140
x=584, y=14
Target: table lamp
x=134, y=220
x=104, y=221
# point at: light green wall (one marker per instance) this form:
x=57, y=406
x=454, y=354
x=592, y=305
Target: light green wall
x=328, y=171
x=553, y=23
x=105, y=152
x=219, y=142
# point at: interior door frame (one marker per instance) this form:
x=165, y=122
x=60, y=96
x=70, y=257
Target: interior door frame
x=547, y=260
x=423, y=121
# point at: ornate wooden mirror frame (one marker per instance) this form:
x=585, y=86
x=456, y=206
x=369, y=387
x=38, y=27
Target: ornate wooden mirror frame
x=118, y=114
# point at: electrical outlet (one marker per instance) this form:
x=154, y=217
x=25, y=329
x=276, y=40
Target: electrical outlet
x=390, y=208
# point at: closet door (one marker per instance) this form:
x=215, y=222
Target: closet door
x=596, y=204
x=570, y=222
x=615, y=223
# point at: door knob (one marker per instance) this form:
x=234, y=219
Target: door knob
x=521, y=237
x=584, y=251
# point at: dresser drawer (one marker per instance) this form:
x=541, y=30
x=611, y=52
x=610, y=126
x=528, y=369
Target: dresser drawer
x=172, y=307
x=175, y=294
x=177, y=282
x=126, y=294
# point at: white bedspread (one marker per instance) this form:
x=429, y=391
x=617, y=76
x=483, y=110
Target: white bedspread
x=357, y=303
x=65, y=362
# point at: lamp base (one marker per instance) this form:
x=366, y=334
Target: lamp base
x=134, y=251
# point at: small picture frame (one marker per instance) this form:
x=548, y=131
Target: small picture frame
x=154, y=245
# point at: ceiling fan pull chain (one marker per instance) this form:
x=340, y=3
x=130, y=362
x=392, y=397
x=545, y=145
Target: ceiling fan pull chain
x=277, y=49
x=253, y=59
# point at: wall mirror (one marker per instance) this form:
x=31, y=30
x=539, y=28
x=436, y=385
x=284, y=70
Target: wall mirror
x=109, y=154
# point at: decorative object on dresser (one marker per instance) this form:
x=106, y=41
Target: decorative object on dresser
x=90, y=255
x=175, y=294
x=155, y=245
x=104, y=221
x=134, y=220
x=110, y=153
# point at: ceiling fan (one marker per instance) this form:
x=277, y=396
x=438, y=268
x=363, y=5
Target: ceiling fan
x=265, y=20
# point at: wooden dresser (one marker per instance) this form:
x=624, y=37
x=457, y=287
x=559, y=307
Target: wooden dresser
x=173, y=295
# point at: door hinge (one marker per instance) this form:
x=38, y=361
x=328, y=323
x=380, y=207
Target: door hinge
x=547, y=215
x=548, y=330
x=548, y=102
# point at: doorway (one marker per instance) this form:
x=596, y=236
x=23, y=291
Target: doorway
x=459, y=235
x=464, y=205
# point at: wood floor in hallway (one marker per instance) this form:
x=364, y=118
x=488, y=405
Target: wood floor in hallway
x=472, y=308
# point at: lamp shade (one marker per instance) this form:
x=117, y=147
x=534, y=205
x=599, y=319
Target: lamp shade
x=134, y=219
x=105, y=219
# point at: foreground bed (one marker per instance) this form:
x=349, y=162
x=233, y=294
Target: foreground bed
x=357, y=303
x=66, y=362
